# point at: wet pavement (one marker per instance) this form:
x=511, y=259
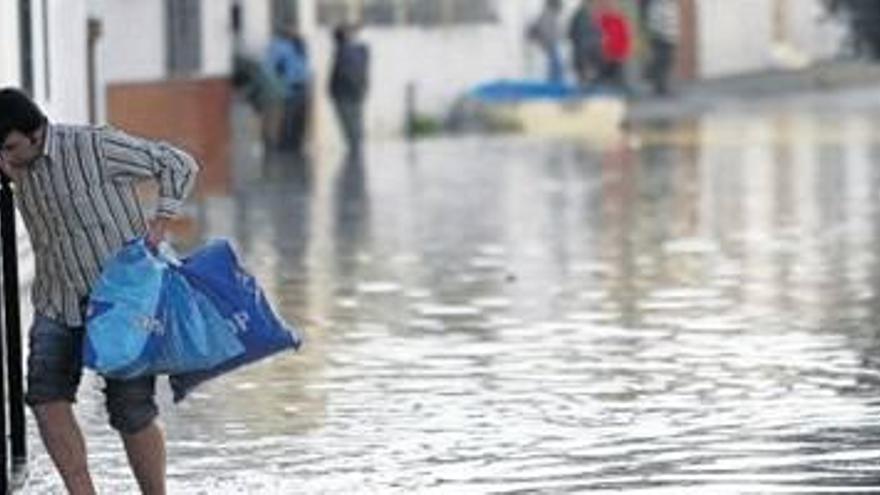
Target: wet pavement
x=692, y=309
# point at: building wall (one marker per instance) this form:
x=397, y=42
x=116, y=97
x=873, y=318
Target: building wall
x=9, y=48
x=256, y=26
x=440, y=63
x=191, y=111
x=133, y=46
x=59, y=53
x=768, y=34
x=65, y=97
x=217, y=38
x=807, y=27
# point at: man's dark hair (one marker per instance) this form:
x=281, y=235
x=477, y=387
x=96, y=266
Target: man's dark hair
x=18, y=112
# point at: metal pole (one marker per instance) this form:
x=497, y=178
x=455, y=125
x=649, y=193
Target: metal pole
x=12, y=320
x=4, y=446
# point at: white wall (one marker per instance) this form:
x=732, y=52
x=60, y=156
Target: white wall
x=738, y=36
x=59, y=51
x=726, y=47
x=217, y=37
x=66, y=99
x=257, y=26
x=133, y=46
x=441, y=63
x=810, y=29
x=9, y=47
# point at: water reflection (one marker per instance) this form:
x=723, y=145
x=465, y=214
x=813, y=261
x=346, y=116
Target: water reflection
x=691, y=309
x=351, y=219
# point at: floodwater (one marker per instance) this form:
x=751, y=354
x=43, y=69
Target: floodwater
x=692, y=309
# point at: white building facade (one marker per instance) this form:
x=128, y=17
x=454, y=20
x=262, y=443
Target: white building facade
x=53, y=65
x=742, y=36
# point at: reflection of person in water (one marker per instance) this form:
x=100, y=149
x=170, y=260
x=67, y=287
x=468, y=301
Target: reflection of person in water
x=288, y=168
x=349, y=83
x=352, y=210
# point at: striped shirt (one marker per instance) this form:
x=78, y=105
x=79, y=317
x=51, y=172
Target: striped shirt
x=664, y=20
x=79, y=204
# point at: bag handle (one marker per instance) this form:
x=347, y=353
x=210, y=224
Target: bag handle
x=164, y=253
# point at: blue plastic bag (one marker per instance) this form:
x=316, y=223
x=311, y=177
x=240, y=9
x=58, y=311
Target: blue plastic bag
x=214, y=270
x=144, y=318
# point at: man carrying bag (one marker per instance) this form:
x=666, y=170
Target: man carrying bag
x=76, y=194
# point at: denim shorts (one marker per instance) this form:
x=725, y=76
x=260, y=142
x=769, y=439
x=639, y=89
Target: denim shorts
x=55, y=368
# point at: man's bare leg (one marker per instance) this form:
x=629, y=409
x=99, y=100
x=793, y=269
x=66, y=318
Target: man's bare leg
x=146, y=455
x=65, y=444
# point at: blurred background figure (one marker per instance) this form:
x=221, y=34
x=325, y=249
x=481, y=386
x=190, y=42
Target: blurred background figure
x=586, y=43
x=662, y=20
x=545, y=32
x=616, y=42
x=349, y=82
x=264, y=92
x=287, y=57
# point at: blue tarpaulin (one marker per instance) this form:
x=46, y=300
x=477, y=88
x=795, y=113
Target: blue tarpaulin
x=522, y=91
x=509, y=91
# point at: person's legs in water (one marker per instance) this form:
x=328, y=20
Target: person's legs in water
x=661, y=64
x=285, y=140
x=132, y=409
x=54, y=371
x=299, y=113
x=351, y=119
x=584, y=68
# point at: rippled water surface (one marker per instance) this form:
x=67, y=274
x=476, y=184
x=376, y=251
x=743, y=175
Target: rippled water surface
x=691, y=310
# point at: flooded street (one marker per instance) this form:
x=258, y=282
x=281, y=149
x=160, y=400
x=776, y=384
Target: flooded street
x=693, y=309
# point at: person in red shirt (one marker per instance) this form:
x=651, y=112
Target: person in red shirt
x=616, y=41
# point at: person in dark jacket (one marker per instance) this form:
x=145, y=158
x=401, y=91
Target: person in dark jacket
x=349, y=82
x=586, y=43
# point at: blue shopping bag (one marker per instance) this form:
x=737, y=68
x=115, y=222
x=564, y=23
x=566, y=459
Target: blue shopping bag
x=144, y=318
x=214, y=270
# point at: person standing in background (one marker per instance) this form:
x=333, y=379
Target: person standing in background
x=663, y=26
x=349, y=82
x=288, y=59
x=586, y=43
x=545, y=32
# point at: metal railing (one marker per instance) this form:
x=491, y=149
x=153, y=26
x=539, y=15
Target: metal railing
x=12, y=418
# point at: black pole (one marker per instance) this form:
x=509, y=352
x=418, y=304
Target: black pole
x=4, y=446
x=12, y=320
